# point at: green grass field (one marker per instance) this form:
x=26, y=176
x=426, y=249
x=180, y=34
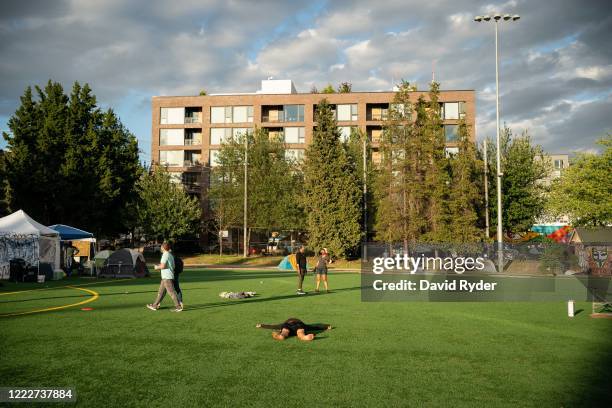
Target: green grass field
x=378, y=354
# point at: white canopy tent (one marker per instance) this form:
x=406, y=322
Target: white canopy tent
x=23, y=237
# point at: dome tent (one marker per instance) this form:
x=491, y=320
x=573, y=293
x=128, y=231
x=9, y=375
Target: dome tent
x=124, y=263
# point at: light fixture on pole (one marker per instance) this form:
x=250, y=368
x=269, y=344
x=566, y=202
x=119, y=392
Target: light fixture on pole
x=496, y=18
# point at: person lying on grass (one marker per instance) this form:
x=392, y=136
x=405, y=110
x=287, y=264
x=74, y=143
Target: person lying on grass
x=294, y=327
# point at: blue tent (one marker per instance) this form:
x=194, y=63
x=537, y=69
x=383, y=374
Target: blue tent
x=67, y=232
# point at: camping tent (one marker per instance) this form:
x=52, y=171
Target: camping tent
x=22, y=237
x=124, y=263
x=289, y=263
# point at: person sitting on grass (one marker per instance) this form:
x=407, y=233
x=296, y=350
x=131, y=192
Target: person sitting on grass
x=294, y=327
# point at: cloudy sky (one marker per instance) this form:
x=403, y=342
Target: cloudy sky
x=556, y=61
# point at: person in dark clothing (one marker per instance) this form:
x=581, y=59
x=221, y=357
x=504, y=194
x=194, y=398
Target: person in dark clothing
x=294, y=327
x=300, y=259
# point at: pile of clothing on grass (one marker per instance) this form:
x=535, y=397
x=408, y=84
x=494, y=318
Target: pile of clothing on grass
x=237, y=295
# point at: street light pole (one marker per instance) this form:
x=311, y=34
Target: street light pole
x=486, y=188
x=365, y=196
x=245, y=249
x=500, y=236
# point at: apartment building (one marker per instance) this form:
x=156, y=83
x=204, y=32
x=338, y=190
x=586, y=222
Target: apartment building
x=187, y=131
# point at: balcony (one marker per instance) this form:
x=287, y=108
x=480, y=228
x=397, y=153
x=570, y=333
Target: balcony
x=193, y=119
x=193, y=115
x=192, y=187
x=191, y=163
x=282, y=113
x=377, y=112
x=193, y=139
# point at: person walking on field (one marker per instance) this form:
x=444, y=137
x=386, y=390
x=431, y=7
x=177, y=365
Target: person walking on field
x=176, y=272
x=300, y=259
x=166, y=266
x=321, y=269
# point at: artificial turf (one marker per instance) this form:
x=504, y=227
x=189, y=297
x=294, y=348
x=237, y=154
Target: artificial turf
x=378, y=354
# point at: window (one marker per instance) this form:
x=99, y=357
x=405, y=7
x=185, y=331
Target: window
x=345, y=132
x=224, y=135
x=172, y=158
x=450, y=131
x=172, y=116
x=294, y=154
x=239, y=114
x=171, y=137
x=347, y=112
x=450, y=110
x=217, y=114
x=238, y=132
x=213, y=158
x=558, y=164
x=220, y=135
x=294, y=113
x=294, y=135
x=451, y=151
x=231, y=114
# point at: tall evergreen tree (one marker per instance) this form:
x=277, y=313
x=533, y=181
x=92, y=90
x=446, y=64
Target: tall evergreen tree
x=437, y=178
x=68, y=162
x=465, y=190
x=332, y=194
x=399, y=192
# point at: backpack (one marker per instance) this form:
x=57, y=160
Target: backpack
x=178, y=265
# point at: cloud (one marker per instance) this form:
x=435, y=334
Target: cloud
x=555, y=62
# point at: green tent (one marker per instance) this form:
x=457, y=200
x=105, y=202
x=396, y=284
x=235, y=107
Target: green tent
x=100, y=259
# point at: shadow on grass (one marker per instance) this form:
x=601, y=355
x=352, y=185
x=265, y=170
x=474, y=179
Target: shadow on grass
x=236, y=302
x=208, y=275
x=596, y=373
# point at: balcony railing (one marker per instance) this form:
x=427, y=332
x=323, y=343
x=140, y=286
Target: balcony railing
x=193, y=142
x=377, y=116
x=277, y=118
x=191, y=163
x=192, y=186
x=193, y=119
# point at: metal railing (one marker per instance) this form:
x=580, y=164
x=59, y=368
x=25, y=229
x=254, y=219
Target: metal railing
x=192, y=142
x=193, y=119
